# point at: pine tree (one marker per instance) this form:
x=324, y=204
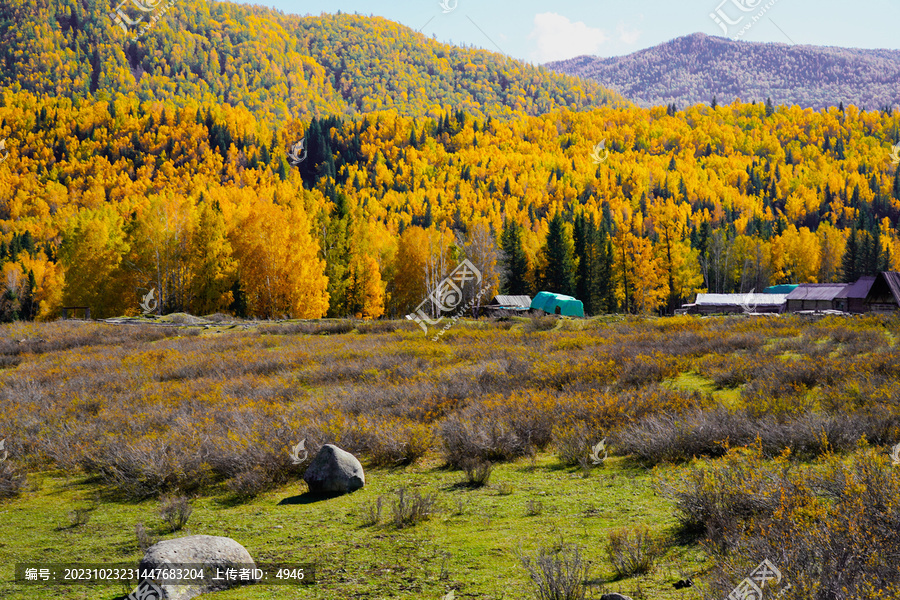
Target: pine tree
x=850, y=260
x=559, y=273
x=28, y=304
x=875, y=259
x=515, y=280
x=605, y=286
x=238, y=306
x=584, y=238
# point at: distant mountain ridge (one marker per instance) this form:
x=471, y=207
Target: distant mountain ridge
x=695, y=68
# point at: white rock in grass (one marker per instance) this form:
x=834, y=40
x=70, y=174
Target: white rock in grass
x=197, y=552
x=334, y=471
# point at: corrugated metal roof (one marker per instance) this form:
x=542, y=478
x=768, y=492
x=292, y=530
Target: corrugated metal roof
x=859, y=289
x=816, y=291
x=505, y=300
x=740, y=299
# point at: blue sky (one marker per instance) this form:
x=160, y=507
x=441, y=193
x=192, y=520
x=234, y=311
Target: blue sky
x=540, y=31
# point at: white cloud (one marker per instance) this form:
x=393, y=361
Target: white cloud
x=627, y=36
x=558, y=38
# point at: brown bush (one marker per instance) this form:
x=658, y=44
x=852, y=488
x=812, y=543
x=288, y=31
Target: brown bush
x=323, y=327
x=11, y=481
x=465, y=440
x=558, y=574
x=175, y=511
x=833, y=534
x=409, y=507
x=632, y=551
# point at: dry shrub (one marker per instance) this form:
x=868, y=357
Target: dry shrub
x=410, y=508
x=478, y=473
x=541, y=323
x=534, y=507
x=80, y=516
x=614, y=409
x=251, y=450
x=467, y=439
x=529, y=414
x=394, y=443
x=379, y=326
x=372, y=514
x=716, y=498
x=248, y=484
x=578, y=371
x=175, y=510
x=321, y=327
x=731, y=370
x=832, y=529
x=218, y=318
x=147, y=467
x=11, y=481
x=8, y=362
x=574, y=442
x=21, y=338
x=632, y=551
x=646, y=368
x=144, y=539
x=672, y=438
x=886, y=365
x=558, y=574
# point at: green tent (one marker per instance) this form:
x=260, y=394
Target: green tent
x=558, y=304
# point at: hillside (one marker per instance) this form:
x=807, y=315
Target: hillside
x=107, y=196
x=696, y=68
x=278, y=66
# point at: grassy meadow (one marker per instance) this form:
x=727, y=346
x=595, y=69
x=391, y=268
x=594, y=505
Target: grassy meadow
x=730, y=441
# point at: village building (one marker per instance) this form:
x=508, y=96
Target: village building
x=853, y=298
x=505, y=305
x=816, y=297
x=710, y=304
x=884, y=295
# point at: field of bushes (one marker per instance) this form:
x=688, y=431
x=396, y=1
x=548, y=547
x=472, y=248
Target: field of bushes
x=730, y=441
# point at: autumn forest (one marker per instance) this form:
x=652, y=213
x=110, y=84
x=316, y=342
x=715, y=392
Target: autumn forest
x=164, y=163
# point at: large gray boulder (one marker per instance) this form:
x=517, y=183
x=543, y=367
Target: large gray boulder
x=211, y=553
x=334, y=471
x=614, y=597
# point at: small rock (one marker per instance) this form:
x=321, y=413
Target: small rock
x=614, y=597
x=192, y=553
x=334, y=471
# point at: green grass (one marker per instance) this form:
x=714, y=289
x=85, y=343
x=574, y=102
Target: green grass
x=694, y=382
x=471, y=546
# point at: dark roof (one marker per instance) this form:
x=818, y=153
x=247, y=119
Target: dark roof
x=816, y=291
x=859, y=289
x=503, y=300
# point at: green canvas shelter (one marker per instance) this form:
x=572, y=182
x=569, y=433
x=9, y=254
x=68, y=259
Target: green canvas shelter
x=558, y=304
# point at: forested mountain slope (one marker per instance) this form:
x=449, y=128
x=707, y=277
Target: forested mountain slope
x=278, y=66
x=112, y=185
x=697, y=68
